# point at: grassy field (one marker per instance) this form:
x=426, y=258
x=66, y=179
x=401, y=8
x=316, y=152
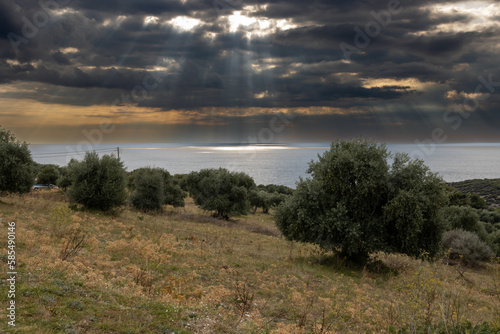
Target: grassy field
x=184, y=272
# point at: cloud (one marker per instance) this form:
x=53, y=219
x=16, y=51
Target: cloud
x=257, y=55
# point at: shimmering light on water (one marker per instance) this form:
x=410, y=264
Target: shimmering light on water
x=280, y=163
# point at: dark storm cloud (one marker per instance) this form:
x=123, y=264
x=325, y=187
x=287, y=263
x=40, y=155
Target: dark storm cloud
x=93, y=51
x=154, y=7
x=8, y=22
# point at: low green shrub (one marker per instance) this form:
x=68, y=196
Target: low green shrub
x=466, y=246
x=465, y=218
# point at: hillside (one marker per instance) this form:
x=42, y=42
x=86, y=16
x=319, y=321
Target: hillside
x=489, y=189
x=185, y=272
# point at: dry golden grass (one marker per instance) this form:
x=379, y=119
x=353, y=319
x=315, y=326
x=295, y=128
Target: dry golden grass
x=185, y=272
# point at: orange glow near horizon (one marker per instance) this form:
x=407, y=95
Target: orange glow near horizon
x=38, y=122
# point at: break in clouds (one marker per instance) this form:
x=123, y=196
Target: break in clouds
x=388, y=69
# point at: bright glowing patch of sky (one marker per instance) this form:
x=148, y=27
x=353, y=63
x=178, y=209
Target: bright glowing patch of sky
x=229, y=71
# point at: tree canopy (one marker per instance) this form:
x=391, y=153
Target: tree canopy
x=149, y=191
x=357, y=203
x=16, y=164
x=49, y=174
x=221, y=191
x=153, y=187
x=98, y=183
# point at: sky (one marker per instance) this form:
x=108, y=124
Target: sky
x=261, y=71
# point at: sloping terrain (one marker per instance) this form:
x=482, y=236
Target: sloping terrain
x=489, y=189
x=184, y=272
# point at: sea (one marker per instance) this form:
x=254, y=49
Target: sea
x=276, y=163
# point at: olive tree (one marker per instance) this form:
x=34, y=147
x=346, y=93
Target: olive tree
x=174, y=195
x=411, y=218
x=221, y=191
x=356, y=203
x=153, y=187
x=65, y=179
x=149, y=193
x=16, y=164
x=265, y=200
x=260, y=199
x=98, y=183
x=49, y=174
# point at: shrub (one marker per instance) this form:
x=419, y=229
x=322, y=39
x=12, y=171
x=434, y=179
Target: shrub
x=265, y=200
x=466, y=199
x=98, y=183
x=48, y=175
x=220, y=190
x=477, y=202
x=149, y=193
x=463, y=217
x=488, y=227
x=64, y=181
x=260, y=199
x=60, y=220
x=489, y=216
x=494, y=241
x=277, y=199
x=356, y=204
x=16, y=164
x=275, y=188
x=73, y=244
x=172, y=192
x=181, y=180
x=466, y=246
x=174, y=195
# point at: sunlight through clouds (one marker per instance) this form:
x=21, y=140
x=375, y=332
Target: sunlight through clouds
x=257, y=26
x=151, y=20
x=184, y=63
x=236, y=20
x=184, y=23
x=481, y=15
x=405, y=84
x=68, y=50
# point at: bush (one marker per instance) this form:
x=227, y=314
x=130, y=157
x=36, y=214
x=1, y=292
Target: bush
x=16, y=164
x=466, y=199
x=49, y=174
x=181, y=180
x=64, y=181
x=356, y=204
x=466, y=246
x=494, y=241
x=413, y=227
x=489, y=216
x=465, y=218
x=174, y=195
x=98, y=183
x=488, y=227
x=265, y=200
x=172, y=192
x=477, y=202
x=220, y=190
x=277, y=199
x=275, y=188
x=149, y=193
x=260, y=199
